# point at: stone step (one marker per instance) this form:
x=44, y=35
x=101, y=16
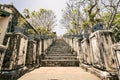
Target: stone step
x=61, y=49
x=61, y=54
x=53, y=63
x=61, y=57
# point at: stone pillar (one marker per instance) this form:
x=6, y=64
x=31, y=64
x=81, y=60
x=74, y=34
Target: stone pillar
x=116, y=52
x=31, y=54
x=42, y=46
x=38, y=52
x=4, y=21
x=15, y=55
x=85, y=52
x=76, y=45
x=45, y=45
x=100, y=45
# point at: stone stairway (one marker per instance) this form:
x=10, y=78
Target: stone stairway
x=60, y=54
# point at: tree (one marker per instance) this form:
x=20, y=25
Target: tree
x=87, y=13
x=80, y=14
x=71, y=16
x=112, y=8
x=42, y=20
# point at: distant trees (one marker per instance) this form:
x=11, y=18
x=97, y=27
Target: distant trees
x=71, y=16
x=43, y=20
x=80, y=15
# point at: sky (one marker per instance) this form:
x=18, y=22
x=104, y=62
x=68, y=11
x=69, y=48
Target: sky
x=55, y=5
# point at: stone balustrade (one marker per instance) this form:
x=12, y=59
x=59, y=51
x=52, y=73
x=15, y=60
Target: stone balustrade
x=36, y=50
x=22, y=51
x=102, y=56
x=95, y=53
x=74, y=41
x=100, y=45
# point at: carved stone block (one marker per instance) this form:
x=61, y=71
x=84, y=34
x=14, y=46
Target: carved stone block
x=2, y=54
x=116, y=51
x=100, y=45
x=16, y=52
x=85, y=51
x=31, y=53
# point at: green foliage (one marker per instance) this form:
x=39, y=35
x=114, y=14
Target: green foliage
x=117, y=33
x=74, y=11
x=26, y=13
x=116, y=28
x=43, y=30
x=71, y=17
x=71, y=31
x=31, y=31
x=85, y=25
x=115, y=24
x=74, y=22
x=42, y=18
x=21, y=21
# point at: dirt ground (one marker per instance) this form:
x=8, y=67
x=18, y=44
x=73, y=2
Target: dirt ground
x=59, y=73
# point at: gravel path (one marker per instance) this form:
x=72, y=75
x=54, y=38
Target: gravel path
x=59, y=73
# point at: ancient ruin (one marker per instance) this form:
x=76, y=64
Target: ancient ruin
x=21, y=52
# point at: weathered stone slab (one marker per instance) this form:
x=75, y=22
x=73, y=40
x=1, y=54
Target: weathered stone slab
x=2, y=54
x=38, y=51
x=116, y=51
x=77, y=45
x=31, y=54
x=85, y=51
x=100, y=45
x=42, y=46
x=16, y=52
x=3, y=27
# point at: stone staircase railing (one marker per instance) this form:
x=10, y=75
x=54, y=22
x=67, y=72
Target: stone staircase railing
x=19, y=52
x=95, y=53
